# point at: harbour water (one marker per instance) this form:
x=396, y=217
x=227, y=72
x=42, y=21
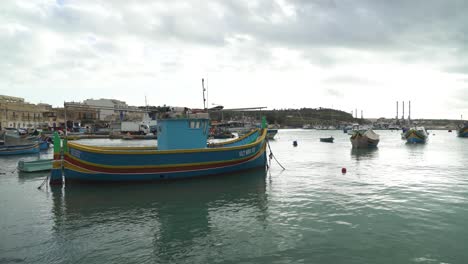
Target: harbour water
x=396, y=204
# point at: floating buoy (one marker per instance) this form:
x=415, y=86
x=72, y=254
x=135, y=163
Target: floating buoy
x=343, y=170
x=295, y=143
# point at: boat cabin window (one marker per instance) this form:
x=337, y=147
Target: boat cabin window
x=195, y=124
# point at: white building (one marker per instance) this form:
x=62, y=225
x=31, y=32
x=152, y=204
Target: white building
x=108, y=108
x=113, y=110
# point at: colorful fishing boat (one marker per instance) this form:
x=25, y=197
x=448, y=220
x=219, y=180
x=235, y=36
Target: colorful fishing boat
x=364, y=139
x=463, y=130
x=182, y=152
x=19, y=149
x=328, y=139
x=416, y=135
x=35, y=165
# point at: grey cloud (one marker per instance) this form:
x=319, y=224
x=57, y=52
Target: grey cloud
x=334, y=92
x=348, y=79
x=461, y=67
x=410, y=31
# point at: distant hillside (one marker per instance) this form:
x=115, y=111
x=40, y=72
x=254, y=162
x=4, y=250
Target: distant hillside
x=289, y=117
x=437, y=123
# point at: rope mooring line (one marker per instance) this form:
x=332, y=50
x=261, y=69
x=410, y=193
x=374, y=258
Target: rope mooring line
x=273, y=156
x=43, y=182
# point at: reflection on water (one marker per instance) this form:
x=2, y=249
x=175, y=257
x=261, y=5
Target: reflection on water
x=175, y=214
x=32, y=176
x=364, y=153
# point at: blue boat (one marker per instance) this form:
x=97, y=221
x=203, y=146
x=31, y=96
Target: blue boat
x=19, y=149
x=182, y=152
x=463, y=130
x=44, y=145
x=416, y=135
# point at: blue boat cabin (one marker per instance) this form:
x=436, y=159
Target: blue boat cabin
x=185, y=133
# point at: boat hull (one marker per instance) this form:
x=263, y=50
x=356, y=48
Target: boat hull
x=327, y=140
x=19, y=149
x=34, y=166
x=44, y=145
x=463, y=132
x=364, y=142
x=74, y=175
x=415, y=140
x=415, y=137
x=91, y=164
x=364, y=139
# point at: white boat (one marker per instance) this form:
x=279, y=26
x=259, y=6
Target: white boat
x=238, y=127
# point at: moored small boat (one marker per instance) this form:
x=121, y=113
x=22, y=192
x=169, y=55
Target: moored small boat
x=271, y=133
x=35, y=165
x=328, y=139
x=416, y=135
x=44, y=145
x=19, y=149
x=364, y=139
x=463, y=130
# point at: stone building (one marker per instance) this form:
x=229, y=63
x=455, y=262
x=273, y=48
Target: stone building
x=76, y=114
x=113, y=110
x=16, y=113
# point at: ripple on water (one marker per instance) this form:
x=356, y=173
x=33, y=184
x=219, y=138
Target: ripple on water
x=396, y=204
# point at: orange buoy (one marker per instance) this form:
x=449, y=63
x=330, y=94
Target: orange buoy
x=343, y=170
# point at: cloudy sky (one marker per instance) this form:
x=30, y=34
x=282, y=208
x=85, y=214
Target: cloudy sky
x=345, y=54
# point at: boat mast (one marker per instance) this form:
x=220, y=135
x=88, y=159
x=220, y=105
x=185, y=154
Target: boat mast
x=204, y=90
x=65, y=117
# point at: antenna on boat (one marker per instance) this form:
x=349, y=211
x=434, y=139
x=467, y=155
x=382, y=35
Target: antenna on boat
x=65, y=117
x=204, y=90
x=207, y=105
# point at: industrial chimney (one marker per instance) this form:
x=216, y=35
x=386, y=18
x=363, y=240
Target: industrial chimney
x=409, y=110
x=403, y=115
x=396, y=118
